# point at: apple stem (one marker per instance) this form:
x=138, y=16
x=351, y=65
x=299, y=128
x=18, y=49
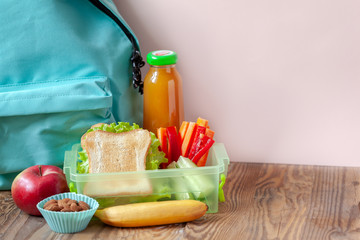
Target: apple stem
x=40, y=170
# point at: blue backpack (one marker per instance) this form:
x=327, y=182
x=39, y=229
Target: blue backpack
x=65, y=65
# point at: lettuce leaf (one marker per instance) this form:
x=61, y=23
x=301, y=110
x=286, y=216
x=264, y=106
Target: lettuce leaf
x=153, y=159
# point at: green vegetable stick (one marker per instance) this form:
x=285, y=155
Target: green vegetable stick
x=200, y=185
x=181, y=192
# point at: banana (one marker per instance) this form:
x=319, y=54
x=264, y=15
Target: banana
x=152, y=213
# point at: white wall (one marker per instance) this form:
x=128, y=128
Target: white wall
x=278, y=80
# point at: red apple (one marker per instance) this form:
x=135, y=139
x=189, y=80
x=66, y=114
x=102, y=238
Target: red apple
x=35, y=184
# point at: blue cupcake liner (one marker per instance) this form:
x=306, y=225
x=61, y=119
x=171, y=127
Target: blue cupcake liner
x=68, y=222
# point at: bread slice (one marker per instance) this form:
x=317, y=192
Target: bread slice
x=84, y=135
x=117, y=152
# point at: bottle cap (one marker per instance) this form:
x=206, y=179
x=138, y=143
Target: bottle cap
x=162, y=57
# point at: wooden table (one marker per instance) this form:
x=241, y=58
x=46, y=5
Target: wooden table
x=263, y=201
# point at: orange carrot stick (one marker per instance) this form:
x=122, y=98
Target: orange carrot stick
x=187, y=142
x=202, y=122
x=182, y=131
x=162, y=136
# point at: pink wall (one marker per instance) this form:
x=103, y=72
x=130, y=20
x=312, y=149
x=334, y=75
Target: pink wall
x=278, y=80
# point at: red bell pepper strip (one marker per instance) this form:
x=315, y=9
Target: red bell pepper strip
x=209, y=142
x=200, y=143
x=210, y=133
x=197, y=143
x=195, y=147
x=174, y=144
x=199, y=130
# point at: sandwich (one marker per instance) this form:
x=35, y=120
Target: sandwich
x=117, y=152
x=111, y=148
x=154, y=157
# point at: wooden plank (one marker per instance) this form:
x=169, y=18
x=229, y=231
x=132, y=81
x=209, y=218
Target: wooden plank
x=263, y=201
x=278, y=207
x=333, y=212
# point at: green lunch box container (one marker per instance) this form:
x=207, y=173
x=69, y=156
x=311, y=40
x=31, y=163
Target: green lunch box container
x=111, y=189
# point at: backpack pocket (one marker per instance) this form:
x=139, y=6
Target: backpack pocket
x=40, y=121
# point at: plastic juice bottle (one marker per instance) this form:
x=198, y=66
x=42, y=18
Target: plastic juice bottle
x=163, y=95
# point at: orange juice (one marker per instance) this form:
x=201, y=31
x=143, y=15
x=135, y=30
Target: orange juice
x=163, y=96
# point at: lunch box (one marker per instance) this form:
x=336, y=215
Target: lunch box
x=201, y=183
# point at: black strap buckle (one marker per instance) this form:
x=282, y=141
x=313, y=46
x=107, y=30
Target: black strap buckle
x=137, y=63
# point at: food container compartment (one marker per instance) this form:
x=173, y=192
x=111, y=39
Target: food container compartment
x=111, y=189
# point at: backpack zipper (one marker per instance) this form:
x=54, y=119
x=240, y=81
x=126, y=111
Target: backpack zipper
x=136, y=59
